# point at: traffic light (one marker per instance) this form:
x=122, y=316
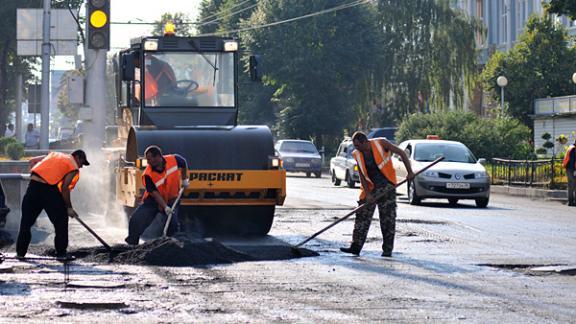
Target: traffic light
x=99, y=24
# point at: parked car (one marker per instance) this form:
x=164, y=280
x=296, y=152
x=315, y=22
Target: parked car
x=458, y=176
x=388, y=132
x=299, y=156
x=343, y=166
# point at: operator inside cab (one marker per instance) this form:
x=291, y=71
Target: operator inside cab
x=163, y=86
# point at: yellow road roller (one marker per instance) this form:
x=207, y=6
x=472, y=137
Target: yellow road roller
x=181, y=94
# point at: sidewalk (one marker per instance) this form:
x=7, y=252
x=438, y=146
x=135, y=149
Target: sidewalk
x=533, y=193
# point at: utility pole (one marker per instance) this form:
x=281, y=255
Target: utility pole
x=45, y=101
x=18, y=126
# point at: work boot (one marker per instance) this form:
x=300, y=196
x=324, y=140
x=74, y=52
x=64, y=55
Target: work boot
x=130, y=241
x=350, y=250
x=65, y=257
x=386, y=254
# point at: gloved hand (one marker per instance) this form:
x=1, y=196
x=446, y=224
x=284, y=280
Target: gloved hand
x=168, y=210
x=185, y=183
x=72, y=213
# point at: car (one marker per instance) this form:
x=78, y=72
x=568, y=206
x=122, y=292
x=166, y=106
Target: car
x=387, y=132
x=299, y=156
x=343, y=166
x=459, y=176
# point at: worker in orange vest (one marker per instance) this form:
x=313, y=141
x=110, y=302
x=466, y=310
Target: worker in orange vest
x=569, y=164
x=377, y=176
x=52, y=177
x=163, y=177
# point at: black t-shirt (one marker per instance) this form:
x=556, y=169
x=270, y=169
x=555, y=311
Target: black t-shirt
x=374, y=173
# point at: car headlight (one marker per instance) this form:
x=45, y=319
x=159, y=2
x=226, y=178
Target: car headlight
x=431, y=174
x=289, y=160
x=481, y=175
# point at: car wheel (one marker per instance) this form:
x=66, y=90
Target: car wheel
x=452, y=201
x=482, y=202
x=308, y=174
x=412, y=196
x=349, y=181
x=335, y=181
x=318, y=174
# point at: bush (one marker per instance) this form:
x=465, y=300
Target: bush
x=4, y=141
x=15, y=150
x=487, y=138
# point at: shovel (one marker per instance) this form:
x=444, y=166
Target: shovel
x=364, y=205
x=108, y=248
x=169, y=219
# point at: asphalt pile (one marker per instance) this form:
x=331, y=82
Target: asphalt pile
x=182, y=252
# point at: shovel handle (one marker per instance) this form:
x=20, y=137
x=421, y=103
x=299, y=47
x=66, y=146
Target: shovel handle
x=353, y=211
x=169, y=219
x=93, y=233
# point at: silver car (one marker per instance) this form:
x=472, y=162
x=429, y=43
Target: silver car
x=458, y=176
x=343, y=166
x=299, y=156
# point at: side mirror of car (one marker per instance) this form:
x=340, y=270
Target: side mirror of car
x=127, y=66
x=482, y=161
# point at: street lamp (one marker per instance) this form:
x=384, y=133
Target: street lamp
x=502, y=82
x=574, y=80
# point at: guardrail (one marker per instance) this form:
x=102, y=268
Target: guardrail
x=547, y=173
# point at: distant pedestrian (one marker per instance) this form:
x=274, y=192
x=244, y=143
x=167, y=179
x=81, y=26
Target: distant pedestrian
x=377, y=176
x=10, y=131
x=569, y=164
x=31, y=138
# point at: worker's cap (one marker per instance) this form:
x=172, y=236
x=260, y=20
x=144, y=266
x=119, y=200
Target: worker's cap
x=81, y=155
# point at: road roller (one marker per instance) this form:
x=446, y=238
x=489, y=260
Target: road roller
x=181, y=94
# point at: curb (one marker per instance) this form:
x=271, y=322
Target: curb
x=556, y=195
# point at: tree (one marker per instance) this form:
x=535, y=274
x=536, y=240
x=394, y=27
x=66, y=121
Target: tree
x=180, y=21
x=428, y=51
x=316, y=64
x=562, y=7
x=540, y=65
x=10, y=63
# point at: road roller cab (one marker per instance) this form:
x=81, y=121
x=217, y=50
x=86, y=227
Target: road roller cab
x=181, y=94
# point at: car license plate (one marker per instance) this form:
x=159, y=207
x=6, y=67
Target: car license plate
x=457, y=185
x=302, y=165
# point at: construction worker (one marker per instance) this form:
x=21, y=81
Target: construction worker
x=569, y=164
x=52, y=177
x=163, y=178
x=377, y=176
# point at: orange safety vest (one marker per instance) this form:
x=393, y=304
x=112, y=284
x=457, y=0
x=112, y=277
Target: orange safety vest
x=382, y=159
x=54, y=167
x=151, y=87
x=167, y=182
x=567, y=156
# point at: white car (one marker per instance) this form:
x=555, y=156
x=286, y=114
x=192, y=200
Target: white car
x=458, y=176
x=343, y=166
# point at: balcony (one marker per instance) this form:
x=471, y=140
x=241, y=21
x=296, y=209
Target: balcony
x=555, y=106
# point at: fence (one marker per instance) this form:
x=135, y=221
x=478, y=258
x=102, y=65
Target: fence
x=547, y=173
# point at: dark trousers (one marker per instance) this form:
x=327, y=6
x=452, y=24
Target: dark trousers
x=387, y=210
x=40, y=196
x=571, y=187
x=143, y=217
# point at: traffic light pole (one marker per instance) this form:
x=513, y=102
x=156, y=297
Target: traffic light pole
x=45, y=101
x=96, y=98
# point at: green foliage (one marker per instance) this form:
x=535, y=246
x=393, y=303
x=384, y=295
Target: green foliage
x=540, y=65
x=487, y=138
x=15, y=150
x=562, y=7
x=4, y=141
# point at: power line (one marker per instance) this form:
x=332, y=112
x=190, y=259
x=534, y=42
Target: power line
x=228, y=15
x=216, y=14
x=321, y=12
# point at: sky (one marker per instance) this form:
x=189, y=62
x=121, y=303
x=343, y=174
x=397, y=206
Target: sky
x=134, y=11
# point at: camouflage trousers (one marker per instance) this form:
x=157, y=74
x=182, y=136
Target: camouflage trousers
x=387, y=210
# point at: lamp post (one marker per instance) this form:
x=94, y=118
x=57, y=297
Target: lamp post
x=502, y=82
x=574, y=81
